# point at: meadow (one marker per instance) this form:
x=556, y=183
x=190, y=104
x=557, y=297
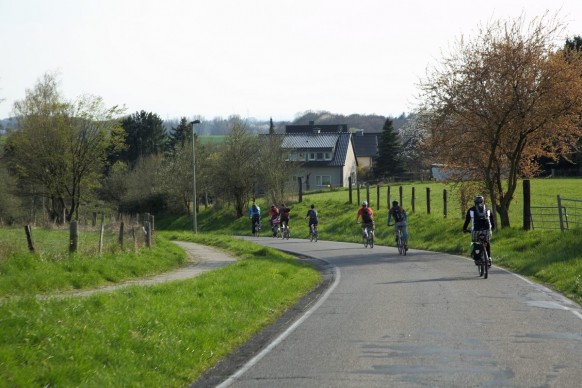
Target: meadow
x=171, y=333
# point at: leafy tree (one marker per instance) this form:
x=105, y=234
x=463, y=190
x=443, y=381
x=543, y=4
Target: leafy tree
x=388, y=163
x=60, y=149
x=499, y=101
x=145, y=135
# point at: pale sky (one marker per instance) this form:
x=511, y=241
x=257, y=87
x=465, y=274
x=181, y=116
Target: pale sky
x=253, y=58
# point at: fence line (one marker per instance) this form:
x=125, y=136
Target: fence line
x=566, y=215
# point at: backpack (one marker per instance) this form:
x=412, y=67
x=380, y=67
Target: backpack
x=397, y=214
x=366, y=217
x=254, y=210
x=481, y=220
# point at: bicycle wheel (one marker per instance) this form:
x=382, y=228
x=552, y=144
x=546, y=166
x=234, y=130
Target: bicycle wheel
x=311, y=236
x=400, y=245
x=257, y=230
x=371, y=239
x=485, y=265
x=365, y=238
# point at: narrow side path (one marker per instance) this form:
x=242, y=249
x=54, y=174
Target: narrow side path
x=203, y=259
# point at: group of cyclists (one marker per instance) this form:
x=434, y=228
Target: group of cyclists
x=478, y=216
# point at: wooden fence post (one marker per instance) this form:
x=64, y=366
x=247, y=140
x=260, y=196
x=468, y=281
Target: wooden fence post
x=400, y=192
x=148, y=234
x=28, y=232
x=388, y=198
x=526, y=205
x=101, y=229
x=413, y=198
x=121, y=226
x=445, y=203
x=73, y=237
x=368, y=193
x=358, y=191
x=350, y=190
x=378, y=197
x=300, y=189
x=428, y=200
x=560, y=213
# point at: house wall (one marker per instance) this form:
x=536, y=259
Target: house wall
x=334, y=174
x=351, y=166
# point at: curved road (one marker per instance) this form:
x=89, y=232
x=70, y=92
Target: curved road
x=425, y=319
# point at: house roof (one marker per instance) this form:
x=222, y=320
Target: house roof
x=337, y=143
x=309, y=140
x=366, y=144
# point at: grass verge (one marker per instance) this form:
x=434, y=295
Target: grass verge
x=164, y=335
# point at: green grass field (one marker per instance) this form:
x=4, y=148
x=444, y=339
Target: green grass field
x=169, y=334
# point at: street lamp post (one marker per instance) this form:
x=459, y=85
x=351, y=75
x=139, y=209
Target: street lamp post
x=194, y=202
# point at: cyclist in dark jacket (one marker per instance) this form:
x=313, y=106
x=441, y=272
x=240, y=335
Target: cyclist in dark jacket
x=481, y=220
x=313, y=219
x=284, y=215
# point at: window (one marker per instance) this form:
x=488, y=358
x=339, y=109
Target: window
x=322, y=180
x=301, y=156
x=311, y=156
x=320, y=156
x=327, y=156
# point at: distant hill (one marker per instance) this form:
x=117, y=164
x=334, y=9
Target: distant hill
x=220, y=126
x=369, y=123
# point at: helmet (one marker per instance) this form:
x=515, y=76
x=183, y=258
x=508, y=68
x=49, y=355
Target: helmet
x=394, y=203
x=365, y=203
x=479, y=200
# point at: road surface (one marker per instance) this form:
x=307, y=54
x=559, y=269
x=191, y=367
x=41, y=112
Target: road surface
x=425, y=319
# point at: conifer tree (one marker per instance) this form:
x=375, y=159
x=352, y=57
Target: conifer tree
x=388, y=163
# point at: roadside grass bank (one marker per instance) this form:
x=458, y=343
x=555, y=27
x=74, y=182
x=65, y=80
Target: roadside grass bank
x=53, y=269
x=551, y=257
x=163, y=335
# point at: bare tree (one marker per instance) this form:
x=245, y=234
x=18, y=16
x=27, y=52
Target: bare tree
x=276, y=170
x=237, y=166
x=500, y=101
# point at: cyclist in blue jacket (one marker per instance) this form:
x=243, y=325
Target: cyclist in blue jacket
x=254, y=215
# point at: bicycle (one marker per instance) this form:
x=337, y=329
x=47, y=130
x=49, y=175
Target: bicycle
x=257, y=228
x=276, y=228
x=313, y=235
x=368, y=236
x=402, y=248
x=285, y=232
x=479, y=254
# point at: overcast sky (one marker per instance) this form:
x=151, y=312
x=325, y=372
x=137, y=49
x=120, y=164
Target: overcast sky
x=253, y=58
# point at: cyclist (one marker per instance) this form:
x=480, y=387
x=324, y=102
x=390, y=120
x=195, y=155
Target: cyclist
x=367, y=215
x=313, y=219
x=284, y=216
x=273, y=214
x=254, y=215
x=481, y=220
x=400, y=222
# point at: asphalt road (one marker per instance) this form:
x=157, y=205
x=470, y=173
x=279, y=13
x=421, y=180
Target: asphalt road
x=425, y=319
